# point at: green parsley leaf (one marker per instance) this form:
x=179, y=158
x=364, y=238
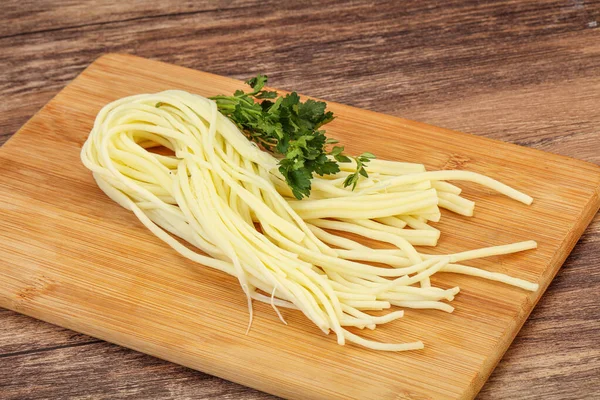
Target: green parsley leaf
x=342, y=158
x=289, y=128
x=361, y=161
x=327, y=168
x=257, y=83
x=337, y=150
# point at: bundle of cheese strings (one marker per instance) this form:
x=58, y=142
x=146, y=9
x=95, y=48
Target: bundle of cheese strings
x=224, y=195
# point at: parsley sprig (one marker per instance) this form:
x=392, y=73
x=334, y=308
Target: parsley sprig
x=290, y=129
x=361, y=161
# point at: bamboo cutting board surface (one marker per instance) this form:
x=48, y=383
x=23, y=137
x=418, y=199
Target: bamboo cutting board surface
x=71, y=257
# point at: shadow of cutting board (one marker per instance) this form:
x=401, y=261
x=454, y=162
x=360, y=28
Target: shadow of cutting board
x=72, y=257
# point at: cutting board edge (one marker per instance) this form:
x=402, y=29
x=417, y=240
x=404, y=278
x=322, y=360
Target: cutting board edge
x=112, y=57
x=93, y=64
x=9, y=142
x=560, y=256
x=97, y=63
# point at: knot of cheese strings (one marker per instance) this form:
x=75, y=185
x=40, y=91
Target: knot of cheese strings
x=222, y=194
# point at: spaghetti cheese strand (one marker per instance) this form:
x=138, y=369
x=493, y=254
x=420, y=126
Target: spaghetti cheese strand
x=223, y=195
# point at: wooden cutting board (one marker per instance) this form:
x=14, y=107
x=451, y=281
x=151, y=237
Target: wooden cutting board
x=72, y=257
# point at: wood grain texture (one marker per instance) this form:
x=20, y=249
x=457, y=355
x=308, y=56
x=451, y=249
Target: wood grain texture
x=525, y=72
x=67, y=251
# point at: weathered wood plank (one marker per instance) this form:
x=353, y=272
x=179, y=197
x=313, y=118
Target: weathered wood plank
x=20, y=335
x=525, y=72
x=555, y=356
x=106, y=371
x=486, y=49
x=32, y=16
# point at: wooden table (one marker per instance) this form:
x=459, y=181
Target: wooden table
x=524, y=72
